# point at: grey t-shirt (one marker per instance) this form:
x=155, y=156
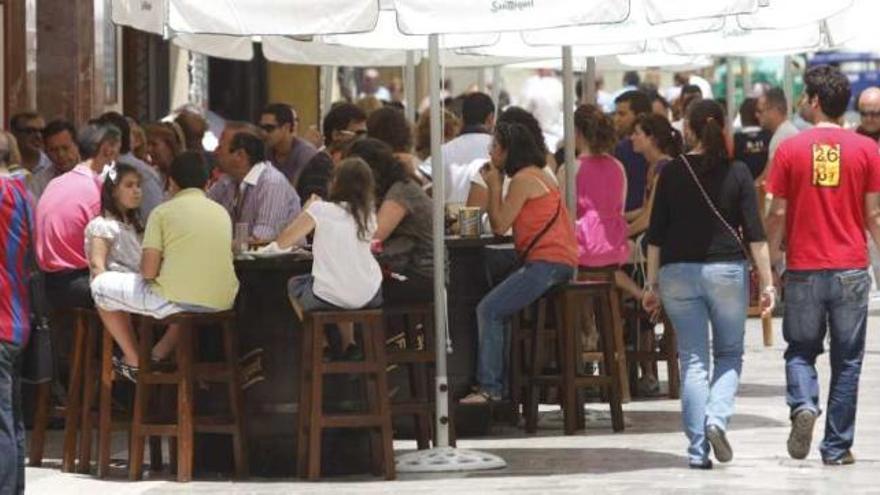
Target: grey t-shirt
x=296, y=161
x=408, y=250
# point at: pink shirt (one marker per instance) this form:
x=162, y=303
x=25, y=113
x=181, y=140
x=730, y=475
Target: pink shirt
x=68, y=204
x=601, y=228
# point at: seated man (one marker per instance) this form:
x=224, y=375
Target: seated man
x=67, y=205
x=186, y=265
x=252, y=190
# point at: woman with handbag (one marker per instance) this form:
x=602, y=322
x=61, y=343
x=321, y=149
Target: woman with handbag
x=705, y=211
x=543, y=238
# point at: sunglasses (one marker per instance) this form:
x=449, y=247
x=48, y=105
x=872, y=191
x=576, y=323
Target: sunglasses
x=268, y=127
x=873, y=115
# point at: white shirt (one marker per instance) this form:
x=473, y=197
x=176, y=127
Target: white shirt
x=125, y=244
x=704, y=86
x=346, y=272
x=542, y=96
x=253, y=176
x=458, y=156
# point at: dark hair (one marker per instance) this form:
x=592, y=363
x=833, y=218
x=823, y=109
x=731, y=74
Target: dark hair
x=775, y=98
x=748, y=112
x=638, y=101
x=339, y=118
x=522, y=150
x=194, y=127
x=58, y=126
x=253, y=146
x=389, y=125
x=831, y=86
x=655, y=96
x=521, y=116
x=476, y=108
x=705, y=118
x=596, y=128
x=118, y=121
x=282, y=112
x=189, y=170
x=353, y=185
x=18, y=119
x=108, y=203
x=631, y=78
x=387, y=170
x=691, y=89
x=667, y=138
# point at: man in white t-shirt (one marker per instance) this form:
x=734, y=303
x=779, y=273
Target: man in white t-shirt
x=541, y=95
x=478, y=114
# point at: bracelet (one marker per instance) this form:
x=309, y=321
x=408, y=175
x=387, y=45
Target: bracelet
x=651, y=287
x=770, y=290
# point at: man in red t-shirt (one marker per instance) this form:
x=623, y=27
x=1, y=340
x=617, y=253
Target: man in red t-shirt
x=826, y=188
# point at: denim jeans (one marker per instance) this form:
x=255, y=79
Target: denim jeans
x=11, y=423
x=523, y=287
x=836, y=300
x=695, y=295
x=302, y=288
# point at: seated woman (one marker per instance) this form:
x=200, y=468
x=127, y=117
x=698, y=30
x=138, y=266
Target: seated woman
x=544, y=241
x=656, y=140
x=404, y=225
x=389, y=125
x=344, y=272
x=601, y=197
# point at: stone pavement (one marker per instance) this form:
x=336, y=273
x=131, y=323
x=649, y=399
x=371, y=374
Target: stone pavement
x=647, y=458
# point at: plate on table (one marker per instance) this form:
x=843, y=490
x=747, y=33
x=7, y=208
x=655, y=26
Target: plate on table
x=299, y=253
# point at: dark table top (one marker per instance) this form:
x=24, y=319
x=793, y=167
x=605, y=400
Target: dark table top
x=459, y=242
x=298, y=262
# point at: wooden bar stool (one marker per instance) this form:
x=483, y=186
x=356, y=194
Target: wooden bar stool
x=569, y=302
x=312, y=418
x=184, y=376
x=83, y=337
x=668, y=352
x=417, y=357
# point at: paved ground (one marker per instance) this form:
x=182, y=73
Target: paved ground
x=647, y=458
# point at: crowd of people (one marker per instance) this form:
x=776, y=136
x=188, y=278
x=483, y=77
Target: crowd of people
x=134, y=219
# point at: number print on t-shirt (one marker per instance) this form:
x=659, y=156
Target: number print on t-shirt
x=826, y=165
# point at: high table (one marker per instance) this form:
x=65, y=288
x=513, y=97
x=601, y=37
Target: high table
x=270, y=350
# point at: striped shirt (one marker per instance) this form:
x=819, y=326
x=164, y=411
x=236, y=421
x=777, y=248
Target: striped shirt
x=264, y=200
x=15, y=259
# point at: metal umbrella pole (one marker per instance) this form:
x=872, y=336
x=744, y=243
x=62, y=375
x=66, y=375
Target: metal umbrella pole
x=409, y=86
x=441, y=458
x=568, y=126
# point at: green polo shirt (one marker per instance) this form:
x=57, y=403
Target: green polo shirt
x=194, y=235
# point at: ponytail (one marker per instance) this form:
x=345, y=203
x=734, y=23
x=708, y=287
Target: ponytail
x=706, y=121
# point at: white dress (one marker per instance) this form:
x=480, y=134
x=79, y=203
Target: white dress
x=125, y=243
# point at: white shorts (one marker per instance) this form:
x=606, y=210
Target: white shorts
x=129, y=292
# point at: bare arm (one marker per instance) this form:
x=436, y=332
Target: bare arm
x=872, y=215
x=502, y=213
x=391, y=213
x=301, y=226
x=151, y=261
x=478, y=196
x=775, y=224
x=100, y=248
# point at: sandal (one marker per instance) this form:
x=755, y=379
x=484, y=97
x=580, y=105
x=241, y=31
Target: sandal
x=125, y=370
x=478, y=398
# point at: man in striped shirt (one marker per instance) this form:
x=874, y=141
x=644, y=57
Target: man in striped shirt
x=252, y=190
x=15, y=238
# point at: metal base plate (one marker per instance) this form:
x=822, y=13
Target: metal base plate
x=447, y=459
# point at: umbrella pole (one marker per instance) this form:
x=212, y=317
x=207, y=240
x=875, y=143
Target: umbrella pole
x=730, y=95
x=328, y=72
x=568, y=125
x=409, y=85
x=589, y=95
x=496, y=87
x=441, y=458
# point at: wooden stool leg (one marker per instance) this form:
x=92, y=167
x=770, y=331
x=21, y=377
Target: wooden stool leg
x=74, y=396
x=141, y=397
x=305, y=393
x=375, y=329
x=609, y=349
x=315, y=403
x=671, y=342
x=85, y=438
x=373, y=393
x=185, y=433
x=567, y=364
x=418, y=383
x=41, y=423
x=104, y=408
x=619, y=345
x=236, y=402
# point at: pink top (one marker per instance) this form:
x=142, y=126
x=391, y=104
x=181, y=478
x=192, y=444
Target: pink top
x=68, y=204
x=601, y=228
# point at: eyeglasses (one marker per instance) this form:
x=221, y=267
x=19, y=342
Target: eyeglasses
x=29, y=130
x=351, y=134
x=268, y=127
x=869, y=114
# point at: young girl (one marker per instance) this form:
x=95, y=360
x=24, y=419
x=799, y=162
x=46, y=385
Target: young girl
x=344, y=272
x=113, y=243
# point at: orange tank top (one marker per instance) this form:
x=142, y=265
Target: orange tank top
x=558, y=243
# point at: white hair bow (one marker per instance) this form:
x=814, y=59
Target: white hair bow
x=110, y=172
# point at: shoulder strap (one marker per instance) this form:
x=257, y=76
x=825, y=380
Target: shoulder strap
x=544, y=230
x=711, y=204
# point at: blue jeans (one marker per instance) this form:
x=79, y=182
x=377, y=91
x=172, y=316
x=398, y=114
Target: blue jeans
x=11, y=423
x=694, y=295
x=521, y=288
x=302, y=287
x=814, y=301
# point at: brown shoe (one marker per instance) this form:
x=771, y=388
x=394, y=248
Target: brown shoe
x=844, y=460
x=801, y=434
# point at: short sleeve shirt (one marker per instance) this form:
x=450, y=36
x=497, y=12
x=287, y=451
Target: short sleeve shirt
x=823, y=174
x=194, y=235
x=125, y=243
x=409, y=249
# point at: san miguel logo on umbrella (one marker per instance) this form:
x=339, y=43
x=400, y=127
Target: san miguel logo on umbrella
x=511, y=5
